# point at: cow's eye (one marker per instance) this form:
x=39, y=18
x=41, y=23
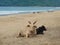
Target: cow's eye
x=28, y=25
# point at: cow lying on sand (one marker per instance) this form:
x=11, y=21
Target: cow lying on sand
x=29, y=31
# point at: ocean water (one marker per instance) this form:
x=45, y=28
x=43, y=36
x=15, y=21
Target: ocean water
x=15, y=10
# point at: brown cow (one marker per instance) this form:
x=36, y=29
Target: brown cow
x=29, y=31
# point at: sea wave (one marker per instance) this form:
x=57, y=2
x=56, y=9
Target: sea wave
x=21, y=12
x=9, y=12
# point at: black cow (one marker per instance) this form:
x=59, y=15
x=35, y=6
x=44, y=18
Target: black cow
x=41, y=30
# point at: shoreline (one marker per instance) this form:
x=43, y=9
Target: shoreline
x=28, y=12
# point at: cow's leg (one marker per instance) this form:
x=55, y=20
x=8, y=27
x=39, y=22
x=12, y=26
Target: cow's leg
x=19, y=35
x=27, y=35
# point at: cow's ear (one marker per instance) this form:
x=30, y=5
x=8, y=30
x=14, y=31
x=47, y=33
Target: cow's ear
x=28, y=25
x=29, y=22
x=34, y=22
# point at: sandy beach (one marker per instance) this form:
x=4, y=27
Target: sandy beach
x=11, y=25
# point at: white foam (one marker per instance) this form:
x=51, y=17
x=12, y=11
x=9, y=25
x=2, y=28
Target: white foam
x=9, y=12
x=25, y=11
x=14, y=12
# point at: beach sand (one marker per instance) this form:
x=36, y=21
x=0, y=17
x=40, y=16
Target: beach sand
x=11, y=25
